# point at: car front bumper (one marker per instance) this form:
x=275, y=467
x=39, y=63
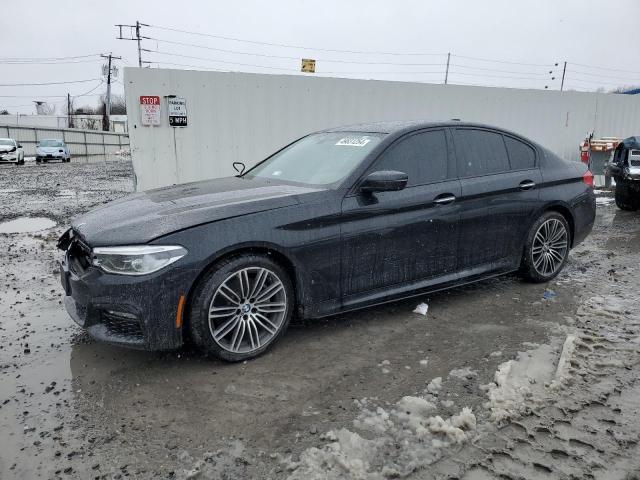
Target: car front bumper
x=12, y=157
x=129, y=311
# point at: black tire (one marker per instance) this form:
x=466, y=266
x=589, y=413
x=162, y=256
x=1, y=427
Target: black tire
x=198, y=321
x=531, y=271
x=624, y=197
x=38, y=160
x=21, y=162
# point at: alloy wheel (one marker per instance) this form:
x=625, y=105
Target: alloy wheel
x=247, y=310
x=550, y=246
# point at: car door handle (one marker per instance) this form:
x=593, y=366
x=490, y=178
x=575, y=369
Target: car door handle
x=527, y=185
x=444, y=199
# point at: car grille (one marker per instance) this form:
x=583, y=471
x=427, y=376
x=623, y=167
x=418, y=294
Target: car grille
x=122, y=324
x=634, y=163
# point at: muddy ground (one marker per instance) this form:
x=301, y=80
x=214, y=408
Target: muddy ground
x=73, y=408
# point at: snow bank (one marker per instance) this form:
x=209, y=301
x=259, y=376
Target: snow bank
x=519, y=384
x=407, y=437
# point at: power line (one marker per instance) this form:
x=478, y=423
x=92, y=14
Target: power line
x=604, y=68
x=285, y=57
x=26, y=59
x=219, y=61
x=48, y=63
x=505, y=61
x=494, y=76
x=46, y=83
x=497, y=70
x=284, y=45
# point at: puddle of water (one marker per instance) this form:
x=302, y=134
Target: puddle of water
x=26, y=225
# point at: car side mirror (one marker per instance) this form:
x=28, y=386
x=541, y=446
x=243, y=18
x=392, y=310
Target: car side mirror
x=384, y=181
x=19, y=146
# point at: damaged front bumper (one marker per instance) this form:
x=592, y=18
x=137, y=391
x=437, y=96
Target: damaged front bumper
x=136, y=312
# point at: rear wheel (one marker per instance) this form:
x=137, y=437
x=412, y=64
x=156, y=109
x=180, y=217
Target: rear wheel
x=241, y=307
x=547, y=247
x=624, y=196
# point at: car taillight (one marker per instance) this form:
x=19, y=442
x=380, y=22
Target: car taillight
x=587, y=178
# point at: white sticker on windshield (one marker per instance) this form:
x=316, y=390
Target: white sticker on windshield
x=354, y=141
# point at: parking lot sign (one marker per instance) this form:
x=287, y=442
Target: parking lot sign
x=177, y=108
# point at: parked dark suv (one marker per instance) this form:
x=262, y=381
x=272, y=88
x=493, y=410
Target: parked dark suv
x=338, y=220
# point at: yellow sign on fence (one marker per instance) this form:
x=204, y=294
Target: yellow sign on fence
x=308, y=65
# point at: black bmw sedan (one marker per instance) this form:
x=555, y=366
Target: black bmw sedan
x=338, y=220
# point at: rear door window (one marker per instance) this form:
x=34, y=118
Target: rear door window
x=422, y=156
x=480, y=152
x=521, y=155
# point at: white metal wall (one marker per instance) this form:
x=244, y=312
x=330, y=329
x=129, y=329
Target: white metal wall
x=245, y=117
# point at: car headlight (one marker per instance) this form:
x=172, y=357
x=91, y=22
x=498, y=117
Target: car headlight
x=137, y=259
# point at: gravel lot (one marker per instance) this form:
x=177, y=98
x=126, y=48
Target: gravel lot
x=72, y=408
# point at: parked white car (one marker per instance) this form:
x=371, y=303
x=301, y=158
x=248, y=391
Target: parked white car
x=52, y=149
x=11, y=151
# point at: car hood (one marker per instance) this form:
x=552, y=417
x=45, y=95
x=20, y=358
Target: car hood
x=49, y=149
x=143, y=217
x=6, y=148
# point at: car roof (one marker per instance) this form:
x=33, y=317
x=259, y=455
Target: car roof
x=397, y=127
x=631, y=142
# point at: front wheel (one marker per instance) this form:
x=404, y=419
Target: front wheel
x=241, y=307
x=547, y=247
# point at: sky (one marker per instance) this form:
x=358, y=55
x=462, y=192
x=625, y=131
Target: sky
x=511, y=43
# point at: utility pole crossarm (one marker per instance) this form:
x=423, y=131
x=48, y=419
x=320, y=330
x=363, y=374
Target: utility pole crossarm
x=134, y=34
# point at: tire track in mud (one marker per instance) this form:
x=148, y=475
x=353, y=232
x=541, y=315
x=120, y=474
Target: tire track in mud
x=589, y=425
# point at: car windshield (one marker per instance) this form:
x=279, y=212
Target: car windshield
x=51, y=143
x=6, y=141
x=318, y=159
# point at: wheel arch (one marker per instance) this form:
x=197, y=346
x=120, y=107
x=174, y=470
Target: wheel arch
x=565, y=211
x=273, y=251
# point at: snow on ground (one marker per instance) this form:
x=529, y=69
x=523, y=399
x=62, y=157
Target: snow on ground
x=421, y=309
x=387, y=443
x=463, y=373
x=600, y=201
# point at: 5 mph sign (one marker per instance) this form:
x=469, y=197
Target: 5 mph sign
x=177, y=108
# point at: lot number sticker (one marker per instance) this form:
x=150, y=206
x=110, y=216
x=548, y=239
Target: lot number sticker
x=177, y=108
x=353, y=141
x=150, y=110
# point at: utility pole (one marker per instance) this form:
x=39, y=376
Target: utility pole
x=69, y=118
x=446, y=75
x=134, y=34
x=106, y=122
x=564, y=70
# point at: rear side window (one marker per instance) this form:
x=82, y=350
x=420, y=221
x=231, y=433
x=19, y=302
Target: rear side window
x=422, y=156
x=521, y=155
x=480, y=152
